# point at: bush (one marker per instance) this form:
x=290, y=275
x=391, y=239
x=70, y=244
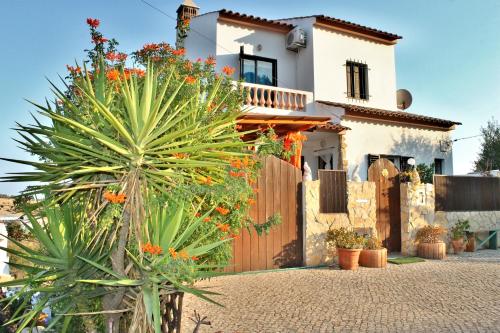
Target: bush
x=373, y=243
x=430, y=234
x=460, y=229
x=344, y=238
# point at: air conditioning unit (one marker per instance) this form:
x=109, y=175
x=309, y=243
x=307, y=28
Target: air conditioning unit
x=295, y=39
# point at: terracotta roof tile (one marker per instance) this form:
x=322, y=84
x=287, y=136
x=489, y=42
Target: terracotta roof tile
x=358, y=27
x=255, y=19
x=331, y=127
x=400, y=116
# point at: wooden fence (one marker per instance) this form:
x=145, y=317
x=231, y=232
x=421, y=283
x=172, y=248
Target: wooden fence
x=332, y=191
x=279, y=191
x=467, y=193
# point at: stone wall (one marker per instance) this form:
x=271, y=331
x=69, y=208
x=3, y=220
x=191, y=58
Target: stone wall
x=417, y=210
x=361, y=216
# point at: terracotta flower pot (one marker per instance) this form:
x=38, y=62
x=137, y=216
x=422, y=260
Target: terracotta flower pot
x=432, y=250
x=458, y=245
x=471, y=244
x=348, y=258
x=373, y=258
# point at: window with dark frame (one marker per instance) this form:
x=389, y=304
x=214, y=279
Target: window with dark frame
x=259, y=70
x=438, y=166
x=357, y=80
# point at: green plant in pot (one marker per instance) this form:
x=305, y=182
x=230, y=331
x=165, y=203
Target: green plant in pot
x=458, y=234
x=374, y=254
x=430, y=243
x=349, y=245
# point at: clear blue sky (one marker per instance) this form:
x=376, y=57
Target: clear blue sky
x=449, y=57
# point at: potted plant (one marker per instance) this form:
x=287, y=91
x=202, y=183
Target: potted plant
x=430, y=243
x=373, y=255
x=471, y=242
x=458, y=233
x=349, y=245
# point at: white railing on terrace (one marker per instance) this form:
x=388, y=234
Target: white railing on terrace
x=275, y=97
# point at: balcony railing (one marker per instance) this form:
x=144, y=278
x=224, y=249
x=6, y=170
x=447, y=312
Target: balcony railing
x=275, y=97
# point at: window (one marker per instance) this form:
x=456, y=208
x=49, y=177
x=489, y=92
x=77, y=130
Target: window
x=438, y=166
x=260, y=70
x=322, y=164
x=401, y=162
x=357, y=80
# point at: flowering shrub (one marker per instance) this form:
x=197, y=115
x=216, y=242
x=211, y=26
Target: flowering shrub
x=152, y=158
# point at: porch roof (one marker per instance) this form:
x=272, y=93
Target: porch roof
x=280, y=123
x=329, y=127
x=356, y=111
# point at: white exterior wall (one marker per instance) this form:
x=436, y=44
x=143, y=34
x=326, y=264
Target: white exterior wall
x=4, y=257
x=230, y=37
x=202, y=46
x=331, y=51
x=369, y=137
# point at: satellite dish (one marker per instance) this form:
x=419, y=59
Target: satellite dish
x=404, y=99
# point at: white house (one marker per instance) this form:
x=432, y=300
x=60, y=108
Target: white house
x=303, y=71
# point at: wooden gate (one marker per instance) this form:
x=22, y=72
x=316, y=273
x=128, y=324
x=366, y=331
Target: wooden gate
x=279, y=191
x=386, y=177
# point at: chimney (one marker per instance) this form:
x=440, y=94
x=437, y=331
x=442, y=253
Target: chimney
x=185, y=12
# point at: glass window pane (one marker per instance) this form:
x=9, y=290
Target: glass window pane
x=249, y=70
x=264, y=73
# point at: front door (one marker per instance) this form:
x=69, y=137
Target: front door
x=386, y=177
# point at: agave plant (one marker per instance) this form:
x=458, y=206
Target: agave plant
x=141, y=134
x=54, y=270
x=154, y=129
x=168, y=266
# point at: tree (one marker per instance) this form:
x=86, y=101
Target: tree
x=489, y=157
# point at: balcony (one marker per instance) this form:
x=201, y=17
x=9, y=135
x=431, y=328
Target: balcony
x=269, y=97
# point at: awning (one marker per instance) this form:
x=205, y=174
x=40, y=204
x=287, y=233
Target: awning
x=281, y=124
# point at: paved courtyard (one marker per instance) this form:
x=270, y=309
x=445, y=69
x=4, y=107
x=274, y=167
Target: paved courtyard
x=459, y=294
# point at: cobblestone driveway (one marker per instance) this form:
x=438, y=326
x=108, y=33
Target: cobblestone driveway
x=459, y=294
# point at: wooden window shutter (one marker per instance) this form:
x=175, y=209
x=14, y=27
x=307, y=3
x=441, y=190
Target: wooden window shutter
x=365, y=81
x=356, y=81
x=349, y=79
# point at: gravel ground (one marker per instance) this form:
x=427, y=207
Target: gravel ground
x=458, y=294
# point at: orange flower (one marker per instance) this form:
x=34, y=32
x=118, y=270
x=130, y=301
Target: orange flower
x=233, y=173
x=138, y=72
x=152, y=249
x=222, y=210
x=113, y=75
x=228, y=70
x=188, y=65
x=210, y=61
x=193, y=258
x=74, y=70
x=184, y=255
x=236, y=164
x=256, y=190
x=234, y=236
x=172, y=252
x=207, y=219
x=180, y=155
x=251, y=201
x=224, y=227
x=150, y=47
x=197, y=214
x=190, y=79
x=94, y=23
x=179, y=52
x=237, y=206
x=208, y=180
